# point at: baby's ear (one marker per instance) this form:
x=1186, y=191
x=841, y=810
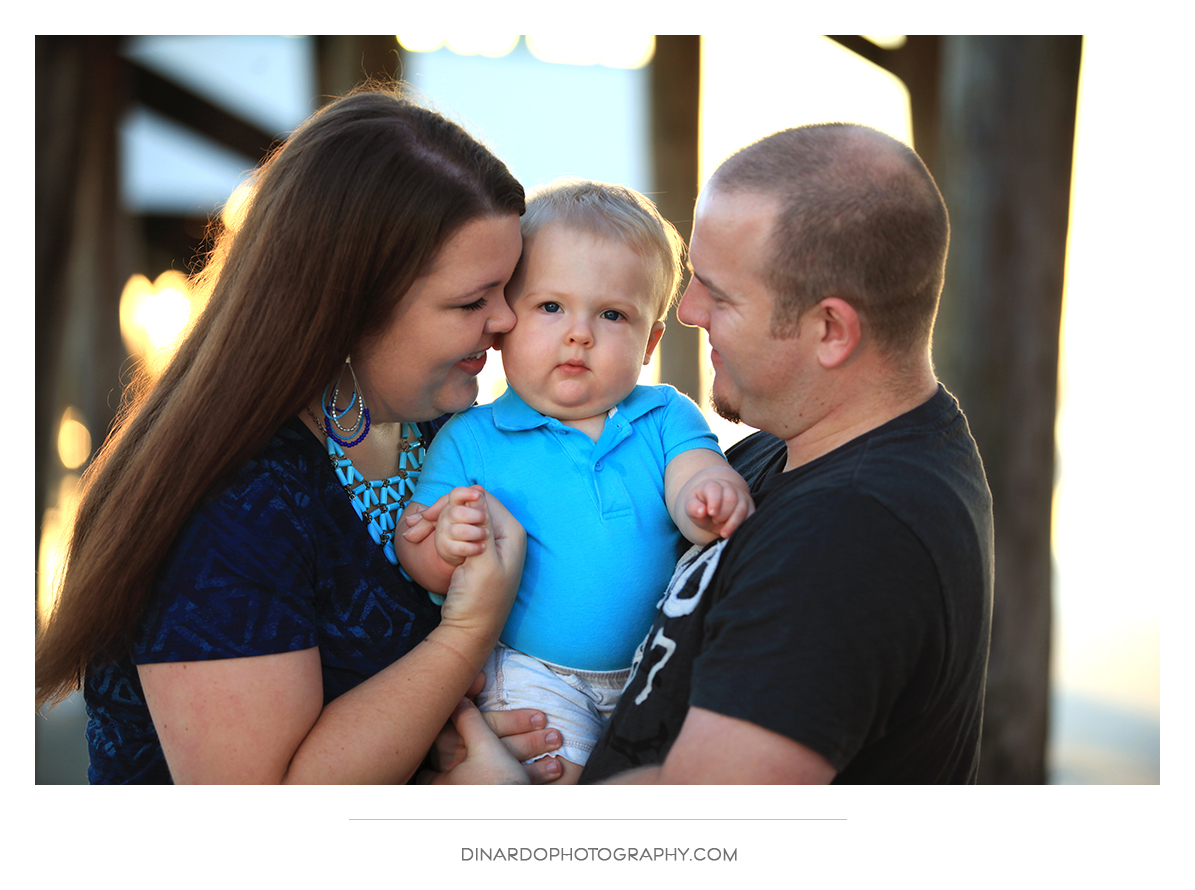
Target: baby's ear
x=653, y=339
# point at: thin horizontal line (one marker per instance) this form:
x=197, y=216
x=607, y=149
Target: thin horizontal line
x=595, y=819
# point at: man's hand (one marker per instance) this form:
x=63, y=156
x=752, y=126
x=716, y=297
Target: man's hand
x=477, y=749
x=522, y=731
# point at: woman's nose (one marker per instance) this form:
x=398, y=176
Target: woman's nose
x=501, y=319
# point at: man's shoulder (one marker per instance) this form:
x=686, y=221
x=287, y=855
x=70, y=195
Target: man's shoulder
x=757, y=456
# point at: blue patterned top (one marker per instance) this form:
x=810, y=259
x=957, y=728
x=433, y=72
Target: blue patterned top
x=277, y=561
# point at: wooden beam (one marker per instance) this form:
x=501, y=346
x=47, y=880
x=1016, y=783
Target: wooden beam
x=196, y=113
x=675, y=96
x=1007, y=142
x=916, y=63
x=85, y=244
x=344, y=62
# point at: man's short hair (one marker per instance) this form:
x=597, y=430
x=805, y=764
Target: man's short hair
x=618, y=213
x=859, y=217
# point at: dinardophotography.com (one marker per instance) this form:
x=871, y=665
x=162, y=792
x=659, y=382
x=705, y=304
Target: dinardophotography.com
x=598, y=854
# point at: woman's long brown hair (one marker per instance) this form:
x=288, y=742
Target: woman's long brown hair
x=344, y=216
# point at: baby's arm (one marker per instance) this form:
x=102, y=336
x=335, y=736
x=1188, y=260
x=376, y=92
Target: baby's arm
x=430, y=549
x=707, y=499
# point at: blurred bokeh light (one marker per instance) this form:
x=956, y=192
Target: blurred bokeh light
x=153, y=316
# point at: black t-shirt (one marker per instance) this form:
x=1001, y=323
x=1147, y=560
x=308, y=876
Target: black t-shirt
x=850, y=613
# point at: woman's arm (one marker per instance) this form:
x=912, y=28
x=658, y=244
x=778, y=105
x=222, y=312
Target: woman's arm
x=262, y=719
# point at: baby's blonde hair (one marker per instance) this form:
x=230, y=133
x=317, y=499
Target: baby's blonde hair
x=617, y=212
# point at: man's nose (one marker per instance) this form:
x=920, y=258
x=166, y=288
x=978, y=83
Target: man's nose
x=692, y=310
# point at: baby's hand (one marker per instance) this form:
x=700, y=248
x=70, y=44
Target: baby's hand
x=719, y=505
x=460, y=524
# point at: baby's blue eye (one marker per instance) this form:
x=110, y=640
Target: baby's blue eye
x=550, y=307
x=612, y=315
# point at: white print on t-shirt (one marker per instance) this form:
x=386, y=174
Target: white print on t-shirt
x=669, y=647
x=673, y=606
x=707, y=561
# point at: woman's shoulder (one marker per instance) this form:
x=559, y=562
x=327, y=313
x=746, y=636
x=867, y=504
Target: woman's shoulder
x=290, y=461
x=244, y=560
x=272, y=496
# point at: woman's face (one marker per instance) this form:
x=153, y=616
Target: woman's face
x=427, y=360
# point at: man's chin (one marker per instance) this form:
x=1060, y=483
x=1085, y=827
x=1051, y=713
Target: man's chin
x=724, y=409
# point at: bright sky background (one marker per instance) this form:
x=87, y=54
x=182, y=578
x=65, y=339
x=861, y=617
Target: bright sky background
x=1123, y=500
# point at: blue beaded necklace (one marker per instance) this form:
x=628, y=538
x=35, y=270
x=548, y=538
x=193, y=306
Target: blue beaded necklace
x=378, y=504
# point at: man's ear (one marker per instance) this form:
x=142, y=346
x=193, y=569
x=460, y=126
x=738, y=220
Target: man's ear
x=653, y=339
x=841, y=330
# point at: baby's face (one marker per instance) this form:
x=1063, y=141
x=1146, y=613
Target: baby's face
x=585, y=323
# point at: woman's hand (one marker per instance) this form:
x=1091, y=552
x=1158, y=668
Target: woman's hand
x=477, y=755
x=483, y=587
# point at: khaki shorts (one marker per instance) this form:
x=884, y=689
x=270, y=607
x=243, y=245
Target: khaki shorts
x=578, y=703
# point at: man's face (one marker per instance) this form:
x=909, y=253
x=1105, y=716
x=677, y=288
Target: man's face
x=756, y=376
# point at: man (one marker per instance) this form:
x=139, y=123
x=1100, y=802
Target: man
x=841, y=634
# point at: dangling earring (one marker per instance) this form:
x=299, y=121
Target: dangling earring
x=332, y=416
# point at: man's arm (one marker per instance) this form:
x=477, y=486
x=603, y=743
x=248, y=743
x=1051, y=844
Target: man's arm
x=713, y=749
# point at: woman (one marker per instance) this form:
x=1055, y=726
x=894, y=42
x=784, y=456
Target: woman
x=231, y=601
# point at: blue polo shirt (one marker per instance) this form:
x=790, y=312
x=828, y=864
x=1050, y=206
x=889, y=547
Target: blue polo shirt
x=601, y=545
